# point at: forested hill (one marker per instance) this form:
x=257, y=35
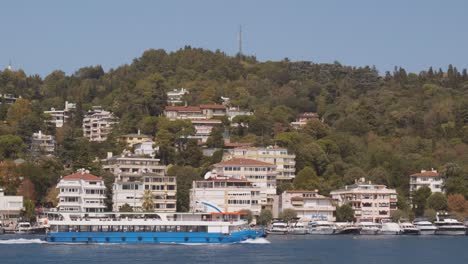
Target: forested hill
x=384, y=126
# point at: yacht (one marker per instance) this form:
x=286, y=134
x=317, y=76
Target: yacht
x=117, y=227
x=23, y=228
x=278, y=228
x=425, y=227
x=321, y=228
x=297, y=228
x=389, y=228
x=408, y=229
x=449, y=226
x=343, y=228
x=369, y=228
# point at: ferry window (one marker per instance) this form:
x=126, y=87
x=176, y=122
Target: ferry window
x=170, y=229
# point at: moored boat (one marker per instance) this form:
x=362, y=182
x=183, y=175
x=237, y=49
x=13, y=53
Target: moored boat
x=408, y=229
x=297, y=228
x=347, y=229
x=369, y=228
x=449, y=226
x=149, y=228
x=425, y=227
x=321, y=228
x=277, y=228
x=389, y=228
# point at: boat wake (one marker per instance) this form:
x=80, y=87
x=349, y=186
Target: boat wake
x=260, y=240
x=22, y=241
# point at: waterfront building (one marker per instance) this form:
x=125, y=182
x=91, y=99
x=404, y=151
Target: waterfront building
x=175, y=96
x=59, y=117
x=226, y=195
x=303, y=118
x=133, y=175
x=371, y=202
x=132, y=139
x=42, y=143
x=97, y=124
x=309, y=205
x=431, y=179
x=81, y=192
x=260, y=174
x=10, y=207
x=285, y=162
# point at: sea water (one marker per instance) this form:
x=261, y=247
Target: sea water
x=275, y=249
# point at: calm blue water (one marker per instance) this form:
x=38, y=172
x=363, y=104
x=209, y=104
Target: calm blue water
x=281, y=249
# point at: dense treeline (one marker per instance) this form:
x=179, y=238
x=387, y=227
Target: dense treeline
x=380, y=126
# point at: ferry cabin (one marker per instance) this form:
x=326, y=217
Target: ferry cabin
x=149, y=228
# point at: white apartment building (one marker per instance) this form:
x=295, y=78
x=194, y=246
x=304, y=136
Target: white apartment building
x=59, y=117
x=203, y=128
x=97, y=124
x=133, y=175
x=8, y=99
x=303, y=118
x=81, y=192
x=145, y=148
x=175, y=96
x=132, y=139
x=309, y=205
x=285, y=162
x=194, y=112
x=431, y=179
x=42, y=143
x=371, y=202
x=232, y=112
x=226, y=195
x=259, y=173
x=10, y=207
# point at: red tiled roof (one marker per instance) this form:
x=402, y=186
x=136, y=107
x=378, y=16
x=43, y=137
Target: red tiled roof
x=212, y=106
x=84, y=176
x=183, y=108
x=243, y=162
x=426, y=174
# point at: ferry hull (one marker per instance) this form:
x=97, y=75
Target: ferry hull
x=152, y=237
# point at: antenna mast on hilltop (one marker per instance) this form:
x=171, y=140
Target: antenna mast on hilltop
x=240, y=40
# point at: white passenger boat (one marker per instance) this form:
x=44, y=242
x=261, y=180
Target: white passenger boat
x=321, y=228
x=149, y=228
x=425, y=227
x=297, y=228
x=344, y=228
x=277, y=228
x=389, y=228
x=449, y=226
x=369, y=228
x=408, y=229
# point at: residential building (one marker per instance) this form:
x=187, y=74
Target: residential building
x=431, y=179
x=203, y=128
x=81, y=192
x=371, y=202
x=132, y=139
x=8, y=99
x=285, y=162
x=194, y=112
x=130, y=188
x=97, y=124
x=10, y=207
x=42, y=143
x=303, y=118
x=309, y=205
x=226, y=195
x=232, y=112
x=259, y=173
x=59, y=117
x=146, y=148
x=133, y=175
x=175, y=96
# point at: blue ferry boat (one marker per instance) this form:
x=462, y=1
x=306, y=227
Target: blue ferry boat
x=70, y=227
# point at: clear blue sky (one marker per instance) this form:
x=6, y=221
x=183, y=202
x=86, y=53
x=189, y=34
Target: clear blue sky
x=42, y=36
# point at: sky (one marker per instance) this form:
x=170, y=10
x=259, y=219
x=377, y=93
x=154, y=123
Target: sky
x=42, y=36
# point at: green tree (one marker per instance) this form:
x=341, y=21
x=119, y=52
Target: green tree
x=29, y=211
x=265, y=217
x=11, y=147
x=126, y=208
x=247, y=215
x=185, y=175
x=345, y=213
x=147, y=201
x=430, y=214
x=420, y=199
x=216, y=138
x=398, y=214
x=437, y=201
x=306, y=179
x=288, y=214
